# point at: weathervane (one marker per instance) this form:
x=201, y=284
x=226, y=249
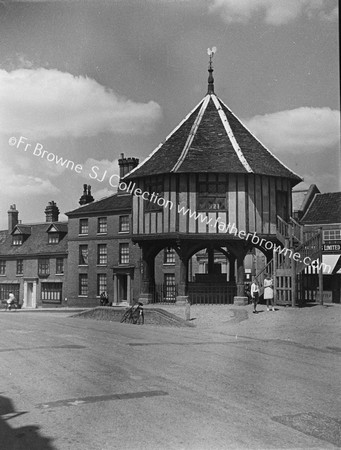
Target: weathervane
x=211, y=52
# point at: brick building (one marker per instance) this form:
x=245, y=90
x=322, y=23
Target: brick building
x=324, y=213
x=33, y=260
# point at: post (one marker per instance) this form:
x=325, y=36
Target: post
x=240, y=298
x=182, y=297
x=293, y=284
x=320, y=269
x=274, y=279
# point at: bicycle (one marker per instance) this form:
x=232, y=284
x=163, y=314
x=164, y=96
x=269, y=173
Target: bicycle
x=134, y=315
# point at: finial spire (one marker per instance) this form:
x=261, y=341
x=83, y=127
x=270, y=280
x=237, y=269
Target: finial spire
x=210, y=52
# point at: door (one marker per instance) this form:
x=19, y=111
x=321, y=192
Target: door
x=29, y=301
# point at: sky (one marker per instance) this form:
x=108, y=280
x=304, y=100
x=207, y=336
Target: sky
x=83, y=81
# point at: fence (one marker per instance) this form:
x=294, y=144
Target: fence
x=211, y=293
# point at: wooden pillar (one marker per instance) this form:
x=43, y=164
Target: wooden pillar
x=232, y=276
x=147, y=284
x=210, y=252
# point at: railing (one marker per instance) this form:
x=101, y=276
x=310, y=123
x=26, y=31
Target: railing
x=309, y=249
x=164, y=293
x=297, y=230
x=282, y=229
x=211, y=293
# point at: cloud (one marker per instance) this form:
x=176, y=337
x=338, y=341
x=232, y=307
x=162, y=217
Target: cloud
x=20, y=184
x=276, y=12
x=303, y=129
x=44, y=103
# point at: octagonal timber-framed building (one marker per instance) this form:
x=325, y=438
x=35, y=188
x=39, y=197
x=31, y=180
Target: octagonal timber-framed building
x=209, y=175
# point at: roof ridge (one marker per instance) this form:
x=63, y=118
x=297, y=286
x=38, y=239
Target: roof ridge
x=167, y=137
x=230, y=134
x=264, y=146
x=192, y=133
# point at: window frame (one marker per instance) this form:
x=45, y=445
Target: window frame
x=59, y=263
x=17, y=239
x=101, y=255
x=43, y=267
x=83, y=276
x=122, y=224
x=99, y=225
x=124, y=256
x=83, y=223
x=100, y=287
x=169, y=256
x=336, y=232
x=20, y=266
x=83, y=258
x=2, y=267
x=212, y=190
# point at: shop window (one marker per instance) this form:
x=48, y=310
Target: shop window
x=51, y=292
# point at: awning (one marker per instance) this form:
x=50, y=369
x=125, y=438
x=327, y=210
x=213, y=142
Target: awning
x=329, y=261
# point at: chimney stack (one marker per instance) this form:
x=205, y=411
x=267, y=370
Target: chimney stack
x=86, y=197
x=127, y=165
x=13, y=215
x=52, y=212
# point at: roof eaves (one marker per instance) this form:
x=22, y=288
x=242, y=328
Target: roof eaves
x=162, y=143
x=266, y=148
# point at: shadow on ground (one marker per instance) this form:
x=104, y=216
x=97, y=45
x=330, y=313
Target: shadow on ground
x=23, y=438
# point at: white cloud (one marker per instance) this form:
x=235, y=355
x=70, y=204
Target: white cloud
x=103, y=174
x=276, y=12
x=303, y=129
x=48, y=103
x=19, y=184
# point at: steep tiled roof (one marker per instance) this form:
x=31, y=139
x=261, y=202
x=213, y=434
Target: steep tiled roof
x=35, y=243
x=324, y=209
x=212, y=139
x=109, y=204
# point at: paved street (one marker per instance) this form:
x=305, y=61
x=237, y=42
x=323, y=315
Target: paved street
x=243, y=381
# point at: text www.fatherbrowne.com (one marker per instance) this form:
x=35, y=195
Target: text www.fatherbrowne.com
x=39, y=151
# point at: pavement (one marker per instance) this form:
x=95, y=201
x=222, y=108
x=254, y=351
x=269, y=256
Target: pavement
x=237, y=380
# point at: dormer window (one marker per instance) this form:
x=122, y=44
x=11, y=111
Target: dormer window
x=17, y=239
x=53, y=238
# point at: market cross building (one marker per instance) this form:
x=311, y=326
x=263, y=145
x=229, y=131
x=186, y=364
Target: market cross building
x=210, y=170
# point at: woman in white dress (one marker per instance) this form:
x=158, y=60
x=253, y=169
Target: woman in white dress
x=269, y=292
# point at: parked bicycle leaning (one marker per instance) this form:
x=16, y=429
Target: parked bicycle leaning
x=11, y=302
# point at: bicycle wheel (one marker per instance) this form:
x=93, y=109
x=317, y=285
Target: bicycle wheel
x=125, y=316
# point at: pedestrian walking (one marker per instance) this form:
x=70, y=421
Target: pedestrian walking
x=269, y=292
x=255, y=294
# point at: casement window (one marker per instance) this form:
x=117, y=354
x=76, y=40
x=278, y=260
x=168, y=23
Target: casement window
x=59, y=265
x=43, y=267
x=169, y=255
x=124, y=253
x=83, y=284
x=124, y=224
x=102, y=225
x=332, y=235
x=83, y=226
x=101, y=283
x=51, y=292
x=20, y=266
x=102, y=254
x=2, y=267
x=83, y=255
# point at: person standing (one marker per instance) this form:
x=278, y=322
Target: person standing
x=255, y=294
x=269, y=292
